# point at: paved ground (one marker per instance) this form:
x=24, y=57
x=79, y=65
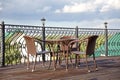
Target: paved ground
x=109, y=69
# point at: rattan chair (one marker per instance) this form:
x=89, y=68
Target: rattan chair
x=89, y=44
x=32, y=50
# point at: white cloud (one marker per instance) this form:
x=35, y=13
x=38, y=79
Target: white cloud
x=77, y=7
x=105, y=8
x=90, y=6
x=110, y=5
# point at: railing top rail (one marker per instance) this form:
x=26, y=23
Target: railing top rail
x=63, y=27
x=22, y=25
x=59, y=27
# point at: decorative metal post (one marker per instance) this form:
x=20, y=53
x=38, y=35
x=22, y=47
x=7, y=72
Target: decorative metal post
x=106, y=39
x=76, y=31
x=76, y=35
x=3, y=43
x=43, y=36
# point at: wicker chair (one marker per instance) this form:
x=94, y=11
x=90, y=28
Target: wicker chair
x=89, y=42
x=32, y=50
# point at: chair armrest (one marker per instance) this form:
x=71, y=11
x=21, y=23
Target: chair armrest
x=41, y=41
x=75, y=44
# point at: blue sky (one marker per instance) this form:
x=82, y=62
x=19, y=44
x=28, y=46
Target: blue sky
x=66, y=13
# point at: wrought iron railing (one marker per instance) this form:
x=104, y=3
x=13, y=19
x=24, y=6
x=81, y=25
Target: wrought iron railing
x=12, y=49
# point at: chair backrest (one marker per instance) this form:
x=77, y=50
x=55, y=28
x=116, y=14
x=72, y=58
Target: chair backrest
x=66, y=37
x=30, y=44
x=65, y=47
x=91, y=45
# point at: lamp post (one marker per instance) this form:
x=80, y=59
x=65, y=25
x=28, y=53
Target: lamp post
x=43, y=21
x=106, y=25
x=43, y=37
x=106, y=39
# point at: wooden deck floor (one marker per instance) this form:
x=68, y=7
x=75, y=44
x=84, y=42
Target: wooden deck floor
x=109, y=69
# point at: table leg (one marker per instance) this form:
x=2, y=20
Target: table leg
x=53, y=53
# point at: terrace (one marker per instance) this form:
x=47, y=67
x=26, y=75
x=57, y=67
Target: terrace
x=13, y=53
x=109, y=69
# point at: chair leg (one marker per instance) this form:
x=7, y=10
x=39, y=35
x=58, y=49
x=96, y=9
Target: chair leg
x=28, y=63
x=77, y=60
x=87, y=64
x=59, y=60
x=71, y=59
x=61, y=57
x=95, y=62
x=66, y=62
x=33, y=69
x=50, y=61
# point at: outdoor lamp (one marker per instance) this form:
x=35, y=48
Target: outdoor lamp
x=43, y=21
x=106, y=25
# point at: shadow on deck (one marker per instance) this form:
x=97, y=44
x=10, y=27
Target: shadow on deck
x=109, y=69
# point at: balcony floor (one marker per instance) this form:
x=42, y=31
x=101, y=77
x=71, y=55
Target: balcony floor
x=109, y=69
